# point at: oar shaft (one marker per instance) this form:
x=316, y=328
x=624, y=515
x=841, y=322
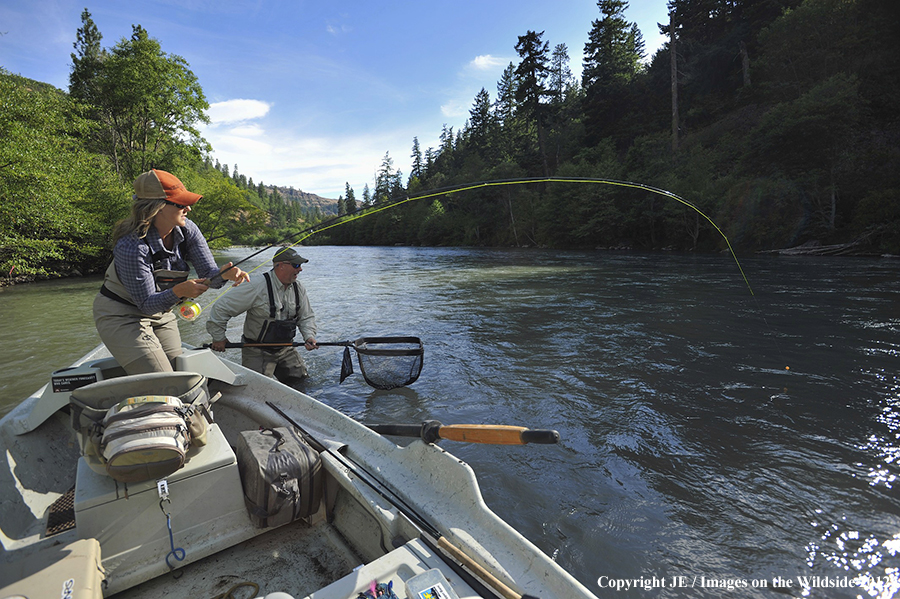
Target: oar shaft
x=397, y=430
x=499, y=586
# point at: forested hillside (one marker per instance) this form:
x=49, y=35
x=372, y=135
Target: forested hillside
x=776, y=119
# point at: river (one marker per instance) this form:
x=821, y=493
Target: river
x=715, y=432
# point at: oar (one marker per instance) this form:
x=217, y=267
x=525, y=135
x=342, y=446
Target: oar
x=429, y=533
x=432, y=431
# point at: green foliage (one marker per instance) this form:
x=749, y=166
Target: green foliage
x=788, y=132
x=57, y=199
x=146, y=102
x=67, y=162
x=226, y=212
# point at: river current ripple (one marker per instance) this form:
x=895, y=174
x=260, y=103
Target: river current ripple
x=711, y=435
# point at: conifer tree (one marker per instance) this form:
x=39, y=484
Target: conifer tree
x=350, y=200
x=87, y=61
x=560, y=73
x=418, y=166
x=612, y=60
x=531, y=91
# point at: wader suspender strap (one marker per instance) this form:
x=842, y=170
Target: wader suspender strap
x=157, y=256
x=265, y=327
x=272, y=298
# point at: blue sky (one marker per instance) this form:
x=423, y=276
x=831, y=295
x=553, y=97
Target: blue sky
x=312, y=94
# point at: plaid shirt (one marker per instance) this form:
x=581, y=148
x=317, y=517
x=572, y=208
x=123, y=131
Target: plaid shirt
x=135, y=264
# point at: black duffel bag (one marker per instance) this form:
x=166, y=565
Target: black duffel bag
x=281, y=474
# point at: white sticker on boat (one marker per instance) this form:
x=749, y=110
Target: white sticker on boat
x=68, y=590
x=434, y=592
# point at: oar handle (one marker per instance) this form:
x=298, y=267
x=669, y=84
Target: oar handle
x=492, y=434
x=497, y=434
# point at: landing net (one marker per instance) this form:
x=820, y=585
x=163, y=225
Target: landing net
x=389, y=362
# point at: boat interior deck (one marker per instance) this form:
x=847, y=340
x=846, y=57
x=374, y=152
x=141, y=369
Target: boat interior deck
x=334, y=554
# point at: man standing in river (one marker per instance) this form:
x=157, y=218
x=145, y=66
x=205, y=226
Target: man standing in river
x=276, y=305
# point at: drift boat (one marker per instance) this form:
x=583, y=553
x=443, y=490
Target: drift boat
x=365, y=517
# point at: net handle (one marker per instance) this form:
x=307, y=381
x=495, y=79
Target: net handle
x=361, y=346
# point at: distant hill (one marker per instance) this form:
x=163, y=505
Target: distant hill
x=307, y=200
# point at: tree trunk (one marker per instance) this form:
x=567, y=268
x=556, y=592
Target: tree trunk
x=674, y=61
x=745, y=64
x=512, y=219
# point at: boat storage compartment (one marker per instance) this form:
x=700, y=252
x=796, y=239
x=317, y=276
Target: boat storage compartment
x=71, y=570
x=409, y=561
x=204, y=501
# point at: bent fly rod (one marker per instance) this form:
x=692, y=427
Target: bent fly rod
x=300, y=236
x=337, y=221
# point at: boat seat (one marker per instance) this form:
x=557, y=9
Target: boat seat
x=103, y=395
x=206, y=505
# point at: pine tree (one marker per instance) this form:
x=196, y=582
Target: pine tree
x=505, y=106
x=560, y=73
x=612, y=60
x=532, y=72
x=481, y=123
x=418, y=166
x=384, y=179
x=350, y=200
x=87, y=61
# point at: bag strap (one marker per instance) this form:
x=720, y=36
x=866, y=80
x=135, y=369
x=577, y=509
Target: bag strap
x=279, y=438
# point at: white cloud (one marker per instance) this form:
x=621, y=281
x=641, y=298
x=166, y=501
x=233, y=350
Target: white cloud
x=337, y=29
x=486, y=62
x=455, y=108
x=314, y=164
x=235, y=111
x=248, y=130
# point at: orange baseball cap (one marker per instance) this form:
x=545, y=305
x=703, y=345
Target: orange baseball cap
x=160, y=185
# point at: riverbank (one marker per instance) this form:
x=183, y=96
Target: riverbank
x=810, y=248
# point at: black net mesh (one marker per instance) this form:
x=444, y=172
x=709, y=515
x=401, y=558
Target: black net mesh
x=389, y=362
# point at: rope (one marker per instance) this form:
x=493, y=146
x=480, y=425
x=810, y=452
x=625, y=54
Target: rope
x=178, y=553
x=230, y=593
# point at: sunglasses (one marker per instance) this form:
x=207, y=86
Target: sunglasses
x=296, y=265
x=179, y=206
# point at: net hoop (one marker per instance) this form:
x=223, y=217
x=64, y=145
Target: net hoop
x=379, y=363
